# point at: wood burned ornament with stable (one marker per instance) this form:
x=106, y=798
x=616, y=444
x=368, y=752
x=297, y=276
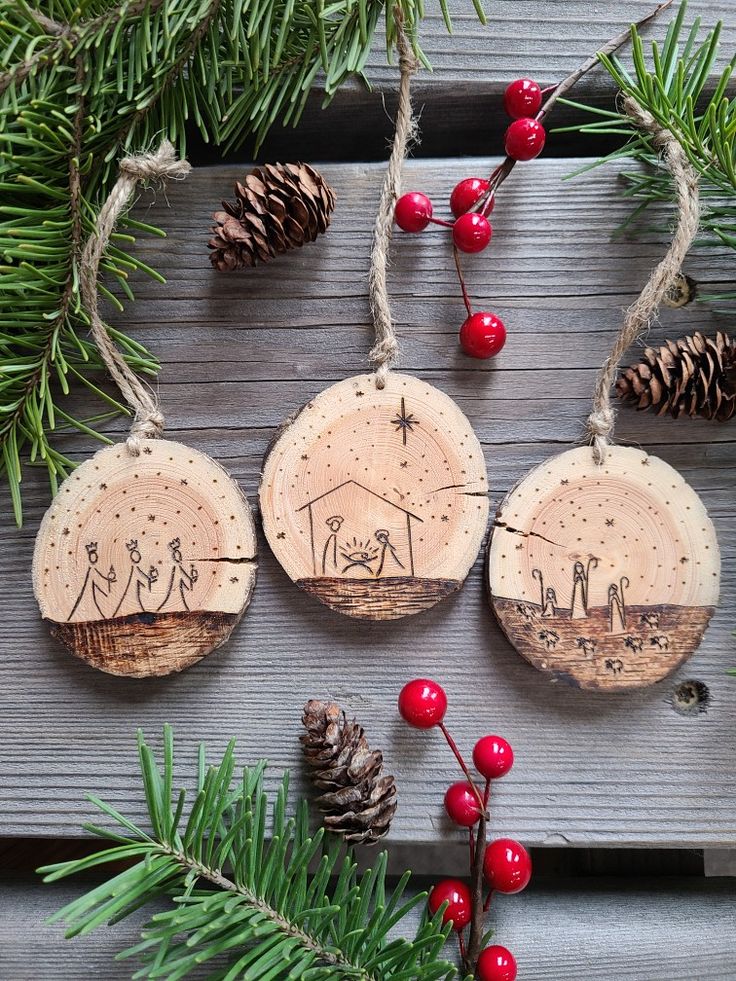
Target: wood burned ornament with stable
x=144, y=563
x=375, y=501
x=604, y=576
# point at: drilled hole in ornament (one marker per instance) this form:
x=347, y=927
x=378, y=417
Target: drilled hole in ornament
x=691, y=697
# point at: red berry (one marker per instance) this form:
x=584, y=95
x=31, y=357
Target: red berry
x=481, y=336
x=524, y=139
x=461, y=804
x=422, y=703
x=495, y=963
x=466, y=193
x=457, y=894
x=493, y=757
x=507, y=866
x=413, y=211
x=522, y=98
x=471, y=232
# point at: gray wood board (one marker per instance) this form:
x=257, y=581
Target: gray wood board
x=576, y=929
x=240, y=352
x=460, y=100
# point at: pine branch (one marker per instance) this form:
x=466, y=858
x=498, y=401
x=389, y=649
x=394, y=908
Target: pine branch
x=104, y=78
x=246, y=903
x=673, y=86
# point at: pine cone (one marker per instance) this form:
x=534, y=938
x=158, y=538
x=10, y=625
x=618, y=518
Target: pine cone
x=695, y=375
x=277, y=208
x=358, y=802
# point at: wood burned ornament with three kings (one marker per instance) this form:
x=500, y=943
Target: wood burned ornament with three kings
x=146, y=559
x=374, y=500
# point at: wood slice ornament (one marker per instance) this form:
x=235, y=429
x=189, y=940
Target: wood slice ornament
x=146, y=559
x=374, y=496
x=605, y=576
x=144, y=564
x=374, y=500
x=604, y=567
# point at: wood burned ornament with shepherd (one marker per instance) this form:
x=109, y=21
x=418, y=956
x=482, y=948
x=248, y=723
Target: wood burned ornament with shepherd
x=604, y=576
x=604, y=567
x=144, y=564
x=375, y=500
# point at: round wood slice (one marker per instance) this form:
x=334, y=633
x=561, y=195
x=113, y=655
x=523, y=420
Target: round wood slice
x=604, y=576
x=143, y=565
x=376, y=501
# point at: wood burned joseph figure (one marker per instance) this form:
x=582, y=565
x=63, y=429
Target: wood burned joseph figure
x=375, y=500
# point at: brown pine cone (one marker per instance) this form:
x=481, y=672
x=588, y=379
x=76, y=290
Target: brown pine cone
x=277, y=207
x=358, y=801
x=695, y=375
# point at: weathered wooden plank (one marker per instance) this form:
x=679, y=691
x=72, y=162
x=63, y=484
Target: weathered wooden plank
x=574, y=929
x=462, y=111
x=242, y=351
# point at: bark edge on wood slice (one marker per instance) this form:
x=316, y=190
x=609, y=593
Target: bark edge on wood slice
x=143, y=565
x=376, y=501
x=605, y=577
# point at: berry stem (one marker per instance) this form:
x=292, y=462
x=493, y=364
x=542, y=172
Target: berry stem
x=477, y=916
x=440, y=221
x=487, y=793
x=458, y=756
x=487, y=903
x=461, y=278
x=471, y=845
x=461, y=942
x=499, y=175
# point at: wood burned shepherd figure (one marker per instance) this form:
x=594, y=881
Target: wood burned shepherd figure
x=91, y=588
x=137, y=580
x=181, y=582
x=617, y=606
x=580, y=578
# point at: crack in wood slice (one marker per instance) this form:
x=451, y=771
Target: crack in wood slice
x=622, y=590
x=376, y=501
x=144, y=564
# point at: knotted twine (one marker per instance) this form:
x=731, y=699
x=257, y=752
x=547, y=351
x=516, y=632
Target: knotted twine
x=639, y=316
x=386, y=348
x=162, y=165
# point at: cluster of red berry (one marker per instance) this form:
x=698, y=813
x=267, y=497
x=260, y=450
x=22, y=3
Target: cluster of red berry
x=506, y=865
x=482, y=334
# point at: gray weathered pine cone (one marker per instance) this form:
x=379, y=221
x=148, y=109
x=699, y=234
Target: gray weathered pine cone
x=694, y=376
x=357, y=799
x=277, y=207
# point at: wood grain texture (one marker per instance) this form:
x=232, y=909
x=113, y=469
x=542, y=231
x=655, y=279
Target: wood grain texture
x=606, y=575
x=584, y=929
x=144, y=564
x=242, y=352
x=375, y=501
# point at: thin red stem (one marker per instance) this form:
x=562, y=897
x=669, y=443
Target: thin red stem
x=461, y=278
x=440, y=221
x=471, y=844
x=459, y=757
x=487, y=903
x=487, y=792
x=462, y=945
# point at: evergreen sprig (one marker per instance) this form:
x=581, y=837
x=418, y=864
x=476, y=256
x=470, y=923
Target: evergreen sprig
x=82, y=82
x=672, y=84
x=243, y=901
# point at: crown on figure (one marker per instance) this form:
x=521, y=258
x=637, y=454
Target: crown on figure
x=132, y=544
x=91, y=547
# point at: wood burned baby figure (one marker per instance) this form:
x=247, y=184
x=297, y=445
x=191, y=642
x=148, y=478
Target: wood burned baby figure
x=181, y=582
x=617, y=606
x=138, y=581
x=92, y=590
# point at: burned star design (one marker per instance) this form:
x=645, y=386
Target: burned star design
x=151, y=517
x=564, y=481
x=103, y=486
x=404, y=423
x=404, y=465
x=147, y=450
x=445, y=517
x=184, y=481
x=281, y=534
x=609, y=522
